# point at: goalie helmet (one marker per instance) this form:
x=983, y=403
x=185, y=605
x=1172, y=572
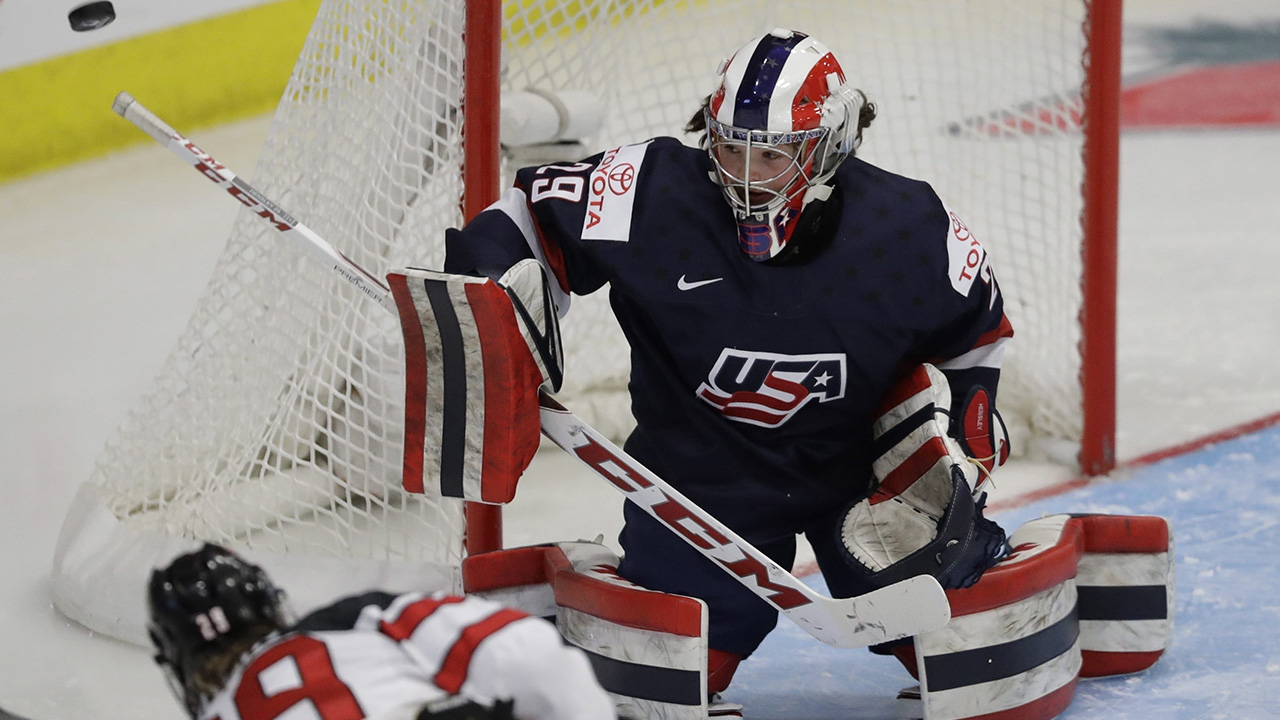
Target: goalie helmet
x=204, y=604
x=778, y=125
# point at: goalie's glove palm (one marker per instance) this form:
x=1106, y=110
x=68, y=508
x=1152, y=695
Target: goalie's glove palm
x=922, y=518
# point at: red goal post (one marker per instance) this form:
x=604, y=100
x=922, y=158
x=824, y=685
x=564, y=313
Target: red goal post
x=273, y=426
x=1100, y=237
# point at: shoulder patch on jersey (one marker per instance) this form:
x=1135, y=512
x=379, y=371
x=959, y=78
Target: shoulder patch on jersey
x=611, y=194
x=966, y=258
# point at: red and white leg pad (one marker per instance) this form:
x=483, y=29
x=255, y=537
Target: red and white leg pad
x=648, y=648
x=1125, y=584
x=1080, y=596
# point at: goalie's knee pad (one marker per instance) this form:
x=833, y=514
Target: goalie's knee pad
x=1079, y=597
x=721, y=666
x=648, y=648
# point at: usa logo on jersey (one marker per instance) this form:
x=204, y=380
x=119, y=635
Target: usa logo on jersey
x=767, y=389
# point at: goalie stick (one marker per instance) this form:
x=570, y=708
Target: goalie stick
x=126, y=107
x=899, y=610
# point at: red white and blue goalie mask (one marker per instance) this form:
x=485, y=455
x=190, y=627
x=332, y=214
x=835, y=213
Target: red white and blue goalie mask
x=779, y=124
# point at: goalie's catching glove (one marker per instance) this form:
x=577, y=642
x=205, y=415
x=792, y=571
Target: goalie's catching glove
x=922, y=518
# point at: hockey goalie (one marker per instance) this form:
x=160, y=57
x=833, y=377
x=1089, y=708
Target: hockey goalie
x=1065, y=597
x=815, y=348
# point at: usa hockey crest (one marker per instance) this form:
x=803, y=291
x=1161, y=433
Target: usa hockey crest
x=767, y=389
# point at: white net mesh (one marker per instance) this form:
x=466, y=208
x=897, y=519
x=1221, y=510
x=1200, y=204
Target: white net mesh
x=275, y=424
x=981, y=99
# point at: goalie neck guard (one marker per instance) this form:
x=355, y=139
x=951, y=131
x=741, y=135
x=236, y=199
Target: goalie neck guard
x=778, y=125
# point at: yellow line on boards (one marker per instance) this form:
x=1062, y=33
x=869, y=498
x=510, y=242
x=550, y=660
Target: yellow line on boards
x=210, y=72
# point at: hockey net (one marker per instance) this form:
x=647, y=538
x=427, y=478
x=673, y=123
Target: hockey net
x=275, y=424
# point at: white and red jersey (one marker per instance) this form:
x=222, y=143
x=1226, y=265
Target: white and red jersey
x=374, y=655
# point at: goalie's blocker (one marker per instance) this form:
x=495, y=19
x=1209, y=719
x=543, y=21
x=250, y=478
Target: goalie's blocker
x=476, y=353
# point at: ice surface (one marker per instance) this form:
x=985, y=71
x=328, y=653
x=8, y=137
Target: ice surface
x=1223, y=503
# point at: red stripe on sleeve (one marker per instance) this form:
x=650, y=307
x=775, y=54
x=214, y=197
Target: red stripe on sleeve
x=453, y=671
x=1004, y=330
x=550, y=249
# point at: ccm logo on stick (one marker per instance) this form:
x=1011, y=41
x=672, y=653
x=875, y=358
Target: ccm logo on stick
x=683, y=520
x=259, y=206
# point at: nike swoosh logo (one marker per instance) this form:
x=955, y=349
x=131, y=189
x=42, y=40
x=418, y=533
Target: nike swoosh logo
x=686, y=285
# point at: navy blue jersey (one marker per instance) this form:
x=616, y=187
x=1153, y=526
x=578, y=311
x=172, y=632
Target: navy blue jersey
x=754, y=385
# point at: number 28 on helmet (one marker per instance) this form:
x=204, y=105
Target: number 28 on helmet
x=202, y=606
x=780, y=122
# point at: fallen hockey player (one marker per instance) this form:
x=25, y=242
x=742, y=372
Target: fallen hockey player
x=223, y=634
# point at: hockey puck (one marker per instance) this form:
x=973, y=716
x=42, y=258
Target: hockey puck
x=91, y=16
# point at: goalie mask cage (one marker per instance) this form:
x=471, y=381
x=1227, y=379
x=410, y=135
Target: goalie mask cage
x=274, y=426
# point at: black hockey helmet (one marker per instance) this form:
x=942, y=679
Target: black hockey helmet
x=203, y=604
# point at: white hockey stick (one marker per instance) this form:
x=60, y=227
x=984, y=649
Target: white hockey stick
x=148, y=122
x=900, y=610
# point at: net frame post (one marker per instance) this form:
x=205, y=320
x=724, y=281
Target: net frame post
x=1100, y=220
x=481, y=168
